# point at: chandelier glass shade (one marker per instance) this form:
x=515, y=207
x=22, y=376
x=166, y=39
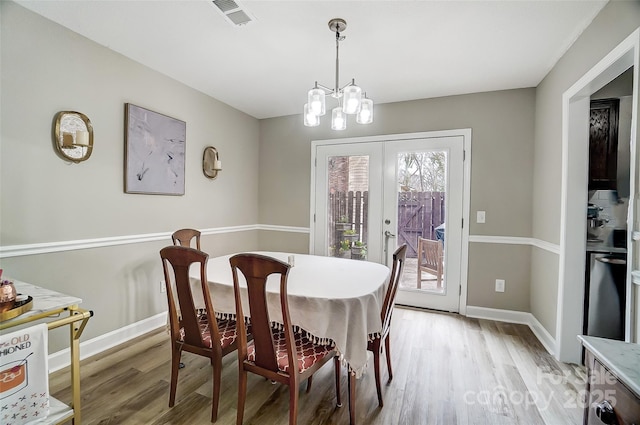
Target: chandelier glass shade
x=351, y=100
x=310, y=119
x=365, y=115
x=338, y=119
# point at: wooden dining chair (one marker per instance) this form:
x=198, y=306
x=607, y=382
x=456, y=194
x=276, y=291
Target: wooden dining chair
x=278, y=354
x=375, y=345
x=430, y=260
x=190, y=326
x=183, y=237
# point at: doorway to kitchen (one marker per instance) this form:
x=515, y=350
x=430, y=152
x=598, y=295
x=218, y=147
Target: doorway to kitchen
x=608, y=196
x=370, y=195
x=575, y=159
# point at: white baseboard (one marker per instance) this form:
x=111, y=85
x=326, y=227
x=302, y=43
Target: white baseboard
x=62, y=359
x=521, y=317
x=543, y=335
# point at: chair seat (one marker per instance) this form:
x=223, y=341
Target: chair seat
x=308, y=352
x=226, y=327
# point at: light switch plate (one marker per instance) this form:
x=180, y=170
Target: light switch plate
x=500, y=285
x=480, y=216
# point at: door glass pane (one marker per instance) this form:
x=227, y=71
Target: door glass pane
x=421, y=218
x=348, y=206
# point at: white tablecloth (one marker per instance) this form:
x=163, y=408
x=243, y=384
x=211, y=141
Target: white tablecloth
x=329, y=298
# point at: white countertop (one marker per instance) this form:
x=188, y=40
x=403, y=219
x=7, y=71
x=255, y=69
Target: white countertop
x=621, y=358
x=44, y=300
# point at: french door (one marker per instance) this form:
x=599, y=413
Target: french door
x=371, y=196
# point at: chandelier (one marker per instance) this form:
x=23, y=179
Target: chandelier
x=350, y=98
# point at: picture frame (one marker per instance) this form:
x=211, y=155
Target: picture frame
x=155, y=147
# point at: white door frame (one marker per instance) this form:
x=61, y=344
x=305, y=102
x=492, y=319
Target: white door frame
x=575, y=159
x=466, y=134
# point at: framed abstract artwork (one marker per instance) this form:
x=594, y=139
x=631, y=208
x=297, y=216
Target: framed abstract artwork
x=155, y=147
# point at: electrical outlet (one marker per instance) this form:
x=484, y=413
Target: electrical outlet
x=163, y=287
x=500, y=285
x=480, y=217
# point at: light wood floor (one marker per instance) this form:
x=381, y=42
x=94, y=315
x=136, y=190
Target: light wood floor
x=448, y=369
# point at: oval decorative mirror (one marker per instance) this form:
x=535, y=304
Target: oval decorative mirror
x=73, y=136
x=211, y=163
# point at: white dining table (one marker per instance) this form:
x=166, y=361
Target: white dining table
x=331, y=299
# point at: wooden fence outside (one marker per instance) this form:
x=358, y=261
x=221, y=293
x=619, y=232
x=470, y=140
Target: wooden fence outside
x=419, y=213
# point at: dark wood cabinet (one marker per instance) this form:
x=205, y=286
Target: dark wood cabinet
x=609, y=397
x=603, y=144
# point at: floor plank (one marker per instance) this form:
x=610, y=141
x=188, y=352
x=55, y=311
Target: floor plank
x=448, y=369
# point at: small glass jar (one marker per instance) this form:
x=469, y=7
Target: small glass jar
x=7, y=295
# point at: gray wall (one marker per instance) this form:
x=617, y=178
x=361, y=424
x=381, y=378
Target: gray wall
x=501, y=176
x=615, y=22
x=47, y=68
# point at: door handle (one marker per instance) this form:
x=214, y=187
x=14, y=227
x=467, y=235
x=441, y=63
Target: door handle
x=387, y=235
x=604, y=411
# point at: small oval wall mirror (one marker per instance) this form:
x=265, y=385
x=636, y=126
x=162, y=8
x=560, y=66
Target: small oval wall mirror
x=73, y=136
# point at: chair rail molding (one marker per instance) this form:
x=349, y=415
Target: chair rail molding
x=61, y=246
x=516, y=240
x=278, y=228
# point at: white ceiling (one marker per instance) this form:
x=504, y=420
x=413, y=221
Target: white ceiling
x=396, y=49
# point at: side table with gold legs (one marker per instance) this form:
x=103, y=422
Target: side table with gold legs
x=56, y=310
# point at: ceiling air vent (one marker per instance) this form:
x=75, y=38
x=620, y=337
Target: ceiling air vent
x=233, y=12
